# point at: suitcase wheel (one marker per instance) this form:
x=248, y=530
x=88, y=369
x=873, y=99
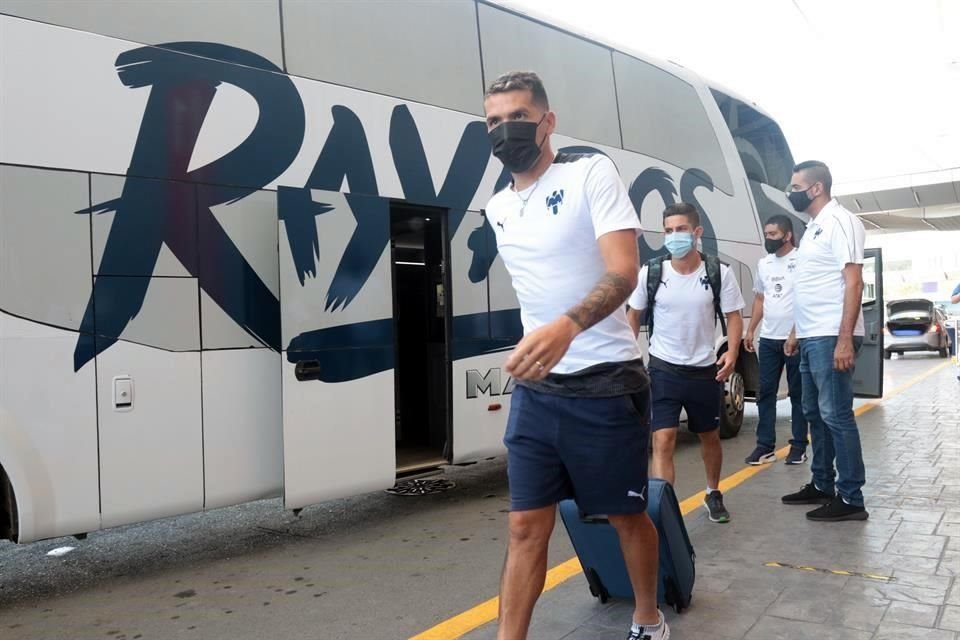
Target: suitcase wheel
x=673, y=597
x=597, y=590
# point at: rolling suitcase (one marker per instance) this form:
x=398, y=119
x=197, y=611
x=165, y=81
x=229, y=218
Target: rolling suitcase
x=598, y=549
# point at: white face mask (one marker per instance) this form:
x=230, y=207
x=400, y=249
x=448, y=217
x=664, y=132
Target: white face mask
x=679, y=243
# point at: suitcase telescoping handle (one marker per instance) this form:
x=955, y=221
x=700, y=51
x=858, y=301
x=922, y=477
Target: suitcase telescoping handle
x=686, y=536
x=586, y=518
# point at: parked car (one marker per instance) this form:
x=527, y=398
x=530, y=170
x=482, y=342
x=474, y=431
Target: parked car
x=915, y=325
x=951, y=309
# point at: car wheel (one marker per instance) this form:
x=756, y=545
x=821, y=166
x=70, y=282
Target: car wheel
x=887, y=355
x=944, y=353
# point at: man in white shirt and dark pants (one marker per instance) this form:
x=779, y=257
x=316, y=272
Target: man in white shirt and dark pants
x=685, y=373
x=829, y=326
x=773, y=305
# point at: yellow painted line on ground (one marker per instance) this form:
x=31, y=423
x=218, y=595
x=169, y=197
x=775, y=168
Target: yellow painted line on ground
x=485, y=612
x=836, y=572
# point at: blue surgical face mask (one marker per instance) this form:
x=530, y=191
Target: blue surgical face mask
x=679, y=243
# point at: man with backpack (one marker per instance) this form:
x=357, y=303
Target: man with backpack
x=684, y=297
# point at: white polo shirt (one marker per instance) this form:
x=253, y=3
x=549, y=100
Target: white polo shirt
x=834, y=239
x=684, y=320
x=775, y=278
x=552, y=255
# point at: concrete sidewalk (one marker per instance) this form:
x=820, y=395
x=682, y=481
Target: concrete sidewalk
x=893, y=576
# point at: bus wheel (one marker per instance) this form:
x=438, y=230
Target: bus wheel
x=731, y=417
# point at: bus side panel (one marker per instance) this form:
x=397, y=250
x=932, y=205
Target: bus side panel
x=481, y=405
x=151, y=462
x=477, y=357
x=48, y=413
x=72, y=71
x=242, y=424
x=48, y=430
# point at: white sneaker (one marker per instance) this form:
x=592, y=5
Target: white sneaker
x=642, y=633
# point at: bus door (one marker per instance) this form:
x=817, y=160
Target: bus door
x=421, y=314
x=868, y=374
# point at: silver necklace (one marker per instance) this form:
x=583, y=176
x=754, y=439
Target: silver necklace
x=524, y=201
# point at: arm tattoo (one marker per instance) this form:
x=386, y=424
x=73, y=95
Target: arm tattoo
x=606, y=297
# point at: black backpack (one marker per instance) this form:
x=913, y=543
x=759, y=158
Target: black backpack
x=655, y=276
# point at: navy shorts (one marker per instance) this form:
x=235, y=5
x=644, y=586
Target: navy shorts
x=701, y=398
x=590, y=449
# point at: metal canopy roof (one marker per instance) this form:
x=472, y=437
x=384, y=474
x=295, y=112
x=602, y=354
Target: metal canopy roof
x=918, y=202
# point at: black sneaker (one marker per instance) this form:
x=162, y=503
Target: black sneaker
x=761, y=455
x=713, y=502
x=796, y=456
x=808, y=495
x=837, y=511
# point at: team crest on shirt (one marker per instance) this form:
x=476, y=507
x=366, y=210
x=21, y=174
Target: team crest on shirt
x=792, y=266
x=705, y=281
x=554, y=201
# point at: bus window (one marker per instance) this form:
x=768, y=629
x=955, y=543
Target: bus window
x=765, y=156
x=762, y=147
x=662, y=116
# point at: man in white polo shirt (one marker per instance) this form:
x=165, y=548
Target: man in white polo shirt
x=773, y=305
x=829, y=326
x=578, y=425
x=685, y=372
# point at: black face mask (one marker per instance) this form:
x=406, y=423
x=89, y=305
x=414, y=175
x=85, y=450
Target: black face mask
x=515, y=144
x=772, y=245
x=800, y=200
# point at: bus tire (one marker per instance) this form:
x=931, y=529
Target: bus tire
x=731, y=412
x=9, y=521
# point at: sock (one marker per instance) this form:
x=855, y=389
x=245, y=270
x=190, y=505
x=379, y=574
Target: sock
x=709, y=490
x=637, y=628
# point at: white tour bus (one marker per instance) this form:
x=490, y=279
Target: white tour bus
x=243, y=251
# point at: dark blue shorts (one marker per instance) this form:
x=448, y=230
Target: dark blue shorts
x=701, y=398
x=590, y=449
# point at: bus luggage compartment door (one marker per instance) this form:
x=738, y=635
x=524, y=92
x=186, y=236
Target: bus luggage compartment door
x=338, y=347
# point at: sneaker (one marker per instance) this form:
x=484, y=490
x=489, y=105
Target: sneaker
x=761, y=455
x=662, y=631
x=836, y=511
x=713, y=502
x=808, y=495
x=796, y=456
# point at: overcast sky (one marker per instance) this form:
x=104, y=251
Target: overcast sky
x=872, y=87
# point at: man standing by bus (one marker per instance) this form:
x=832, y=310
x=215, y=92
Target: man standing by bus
x=773, y=304
x=567, y=232
x=689, y=295
x=829, y=325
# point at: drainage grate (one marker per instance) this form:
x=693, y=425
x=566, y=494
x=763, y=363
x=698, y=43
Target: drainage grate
x=421, y=487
